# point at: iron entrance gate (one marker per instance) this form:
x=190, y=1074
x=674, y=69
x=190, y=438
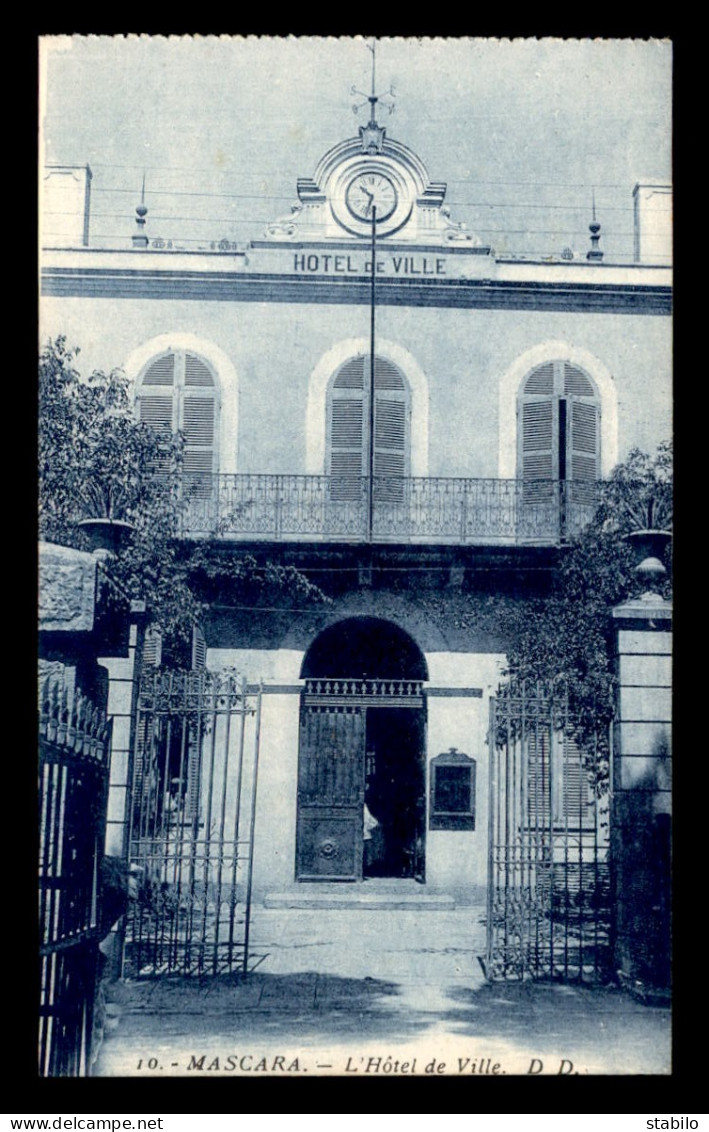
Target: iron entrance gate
x=195, y=768
x=73, y=782
x=548, y=887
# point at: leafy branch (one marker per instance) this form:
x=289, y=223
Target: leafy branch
x=570, y=634
x=96, y=460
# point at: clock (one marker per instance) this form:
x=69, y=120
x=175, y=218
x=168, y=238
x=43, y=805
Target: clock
x=368, y=191
x=365, y=188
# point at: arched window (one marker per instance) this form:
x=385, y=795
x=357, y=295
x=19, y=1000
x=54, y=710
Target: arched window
x=559, y=429
x=348, y=428
x=177, y=390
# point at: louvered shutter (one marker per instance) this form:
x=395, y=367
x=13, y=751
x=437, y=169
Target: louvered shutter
x=538, y=450
x=538, y=778
x=391, y=427
x=198, y=426
x=193, y=774
x=157, y=405
x=139, y=762
x=178, y=391
x=152, y=647
x=546, y=390
x=198, y=458
x=558, y=790
x=538, y=440
x=582, y=435
x=199, y=648
x=197, y=373
x=576, y=383
x=347, y=432
x=156, y=411
x=578, y=802
x=161, y=371
x=194, y=753
x=348, y=429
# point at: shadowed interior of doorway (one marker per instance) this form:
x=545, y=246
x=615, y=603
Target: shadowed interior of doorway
x=394, y=793
x=361, y=780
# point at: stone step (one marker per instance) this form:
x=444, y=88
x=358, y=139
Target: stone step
x=356, y=898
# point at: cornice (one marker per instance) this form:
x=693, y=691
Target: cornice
x=229, y=286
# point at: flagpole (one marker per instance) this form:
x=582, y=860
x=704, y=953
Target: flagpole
x=372, y=308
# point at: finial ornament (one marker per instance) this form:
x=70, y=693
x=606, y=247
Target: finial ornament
x=372, y=135
x=140, y=240
x=594, y=253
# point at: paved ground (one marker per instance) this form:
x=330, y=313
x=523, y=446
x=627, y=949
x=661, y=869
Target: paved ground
x=377, y=993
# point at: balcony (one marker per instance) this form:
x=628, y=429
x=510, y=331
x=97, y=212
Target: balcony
x=299, y=508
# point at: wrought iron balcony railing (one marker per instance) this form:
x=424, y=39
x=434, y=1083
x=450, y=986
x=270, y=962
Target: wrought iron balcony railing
x=389, y=509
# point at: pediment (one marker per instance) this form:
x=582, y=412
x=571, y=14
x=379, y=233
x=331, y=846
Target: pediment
x=328, y=204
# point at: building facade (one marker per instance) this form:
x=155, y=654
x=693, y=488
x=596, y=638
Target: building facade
x=370, y=393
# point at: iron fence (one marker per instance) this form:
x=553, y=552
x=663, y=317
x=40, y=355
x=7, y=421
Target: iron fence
x=73, y=783
x=191, y=824
x=548, y=912
x=403, y=509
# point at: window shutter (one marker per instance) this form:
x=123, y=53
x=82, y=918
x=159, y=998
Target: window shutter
x=152, y=647
x=198, y=422
x=576, y=383
x=199, y=648
x=194, y=753
x=157, y=411
x=583, y=436
x=578, y=801
x=390, y=447
x=538, y=449
x=540, y=423
x=351, y=376
x=348, y=428
x=198, y=430
x=157, y=406
x=538, y=457
x=139, y=763
x=194, y=758
x=198, y=412
x=197, y=373
x=541, y=381
x=191, y=405
x=574, y=801
x=391, y=420
x=386, y=375
x=161, y=371
x=537, y=440
x=584, y=441
x=346, y=431
x=389, y=437
x=538, y=781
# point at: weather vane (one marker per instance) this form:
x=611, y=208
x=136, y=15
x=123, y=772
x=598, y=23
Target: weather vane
x=372, y=135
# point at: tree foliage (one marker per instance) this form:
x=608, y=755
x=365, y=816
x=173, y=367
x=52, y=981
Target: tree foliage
x=638, y=494
x=570, y=635
x=95, y=459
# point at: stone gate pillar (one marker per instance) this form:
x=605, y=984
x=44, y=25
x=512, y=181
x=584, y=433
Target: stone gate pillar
x=641, y=795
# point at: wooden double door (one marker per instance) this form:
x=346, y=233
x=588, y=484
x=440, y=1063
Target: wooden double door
x=350, y=756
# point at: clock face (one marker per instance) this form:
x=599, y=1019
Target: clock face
x=369, y=191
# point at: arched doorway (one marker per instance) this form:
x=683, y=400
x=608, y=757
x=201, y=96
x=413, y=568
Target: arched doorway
x=361, y=765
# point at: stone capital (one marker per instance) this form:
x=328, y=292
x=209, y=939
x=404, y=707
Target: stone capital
x=67, y=589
